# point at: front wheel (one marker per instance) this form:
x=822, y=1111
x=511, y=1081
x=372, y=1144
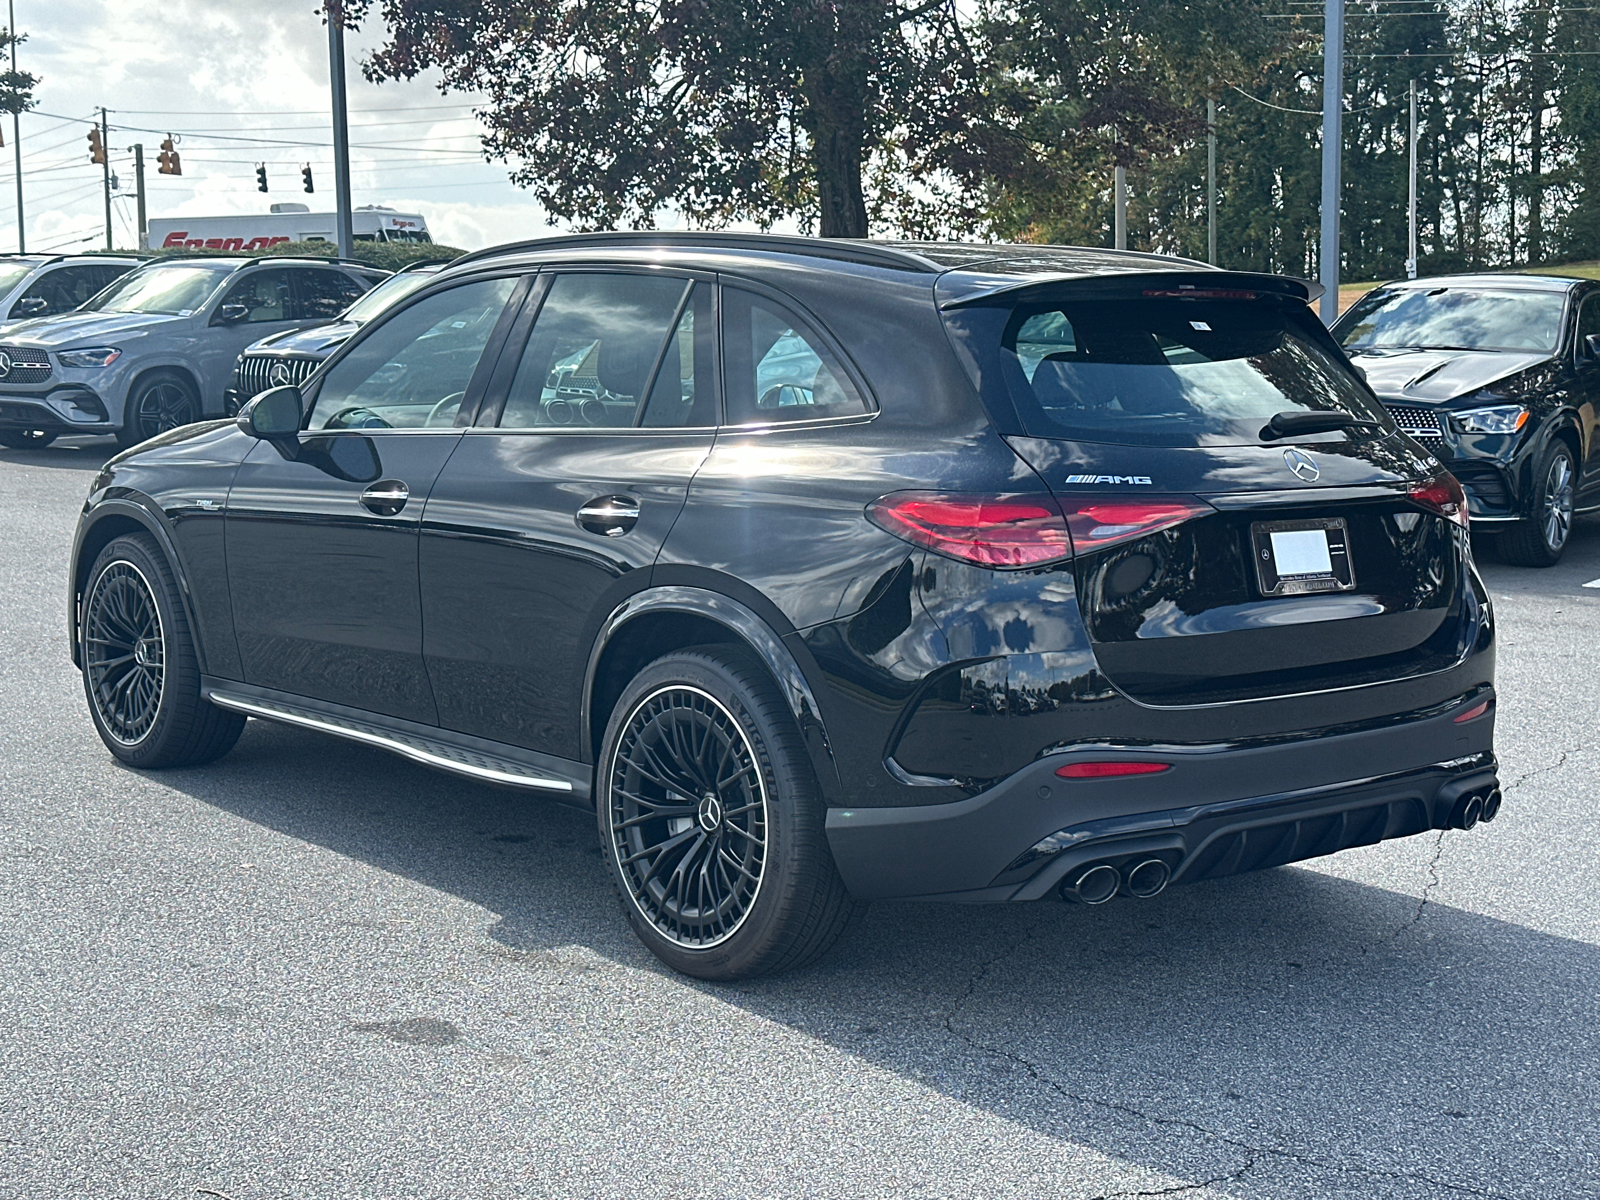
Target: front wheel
x=25, y=439
x=140, y=671
x=1538, y=539
x=712, y=821
x=159, y=402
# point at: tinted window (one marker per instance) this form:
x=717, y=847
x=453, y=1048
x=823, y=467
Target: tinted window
x=413, y=369
x=683, y=392
x=1450, y=318
x=1160, y=372
x=593, y=351
x=777, y=369
x=265, y=293
x=323, y=295
x=1588, y=323
x=176, y=290
x=390, y=291
x=62, y=290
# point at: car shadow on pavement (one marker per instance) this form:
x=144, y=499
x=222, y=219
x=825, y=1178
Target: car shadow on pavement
x=1308, y=1032
x=75, y=454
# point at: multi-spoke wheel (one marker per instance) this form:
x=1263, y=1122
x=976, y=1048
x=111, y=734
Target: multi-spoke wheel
x=159, y=402
x=1539, y=539
x=140, y=671
x=712, y=821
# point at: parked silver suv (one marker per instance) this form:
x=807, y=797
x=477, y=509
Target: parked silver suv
x=157, y=348
x=41, y=285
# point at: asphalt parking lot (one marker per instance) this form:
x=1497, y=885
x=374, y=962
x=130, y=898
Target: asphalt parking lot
x=315, y=970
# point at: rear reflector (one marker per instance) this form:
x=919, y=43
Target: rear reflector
x=1443, y=495
x=1110, y=770
x=990, y=531
x=1473, y=713
x=1100, y=521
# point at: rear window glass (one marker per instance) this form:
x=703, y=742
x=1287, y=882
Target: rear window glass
x=1159, y=372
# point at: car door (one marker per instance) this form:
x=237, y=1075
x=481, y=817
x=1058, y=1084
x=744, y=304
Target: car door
x=58, y=290
x=554, y=509
x=1587, y=360
x=322, y=530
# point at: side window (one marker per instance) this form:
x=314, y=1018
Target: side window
x=320, y=295
x=682, y=394
x=103, y=277
x=1588, y=324
x=412, y=371
x=778, y=370
x=265, y=293
x=594, y=350
x=61, y=290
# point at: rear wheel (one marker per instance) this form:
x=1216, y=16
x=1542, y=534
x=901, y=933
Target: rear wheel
x=712, y=820
x=26, y=439
x=140, y=671
x=160, y=401
x=1538, y=539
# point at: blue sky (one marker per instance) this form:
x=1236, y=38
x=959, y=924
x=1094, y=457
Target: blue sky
x=204, y=69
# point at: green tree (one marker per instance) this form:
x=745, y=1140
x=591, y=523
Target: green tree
x=16, y=87
x=727, y=109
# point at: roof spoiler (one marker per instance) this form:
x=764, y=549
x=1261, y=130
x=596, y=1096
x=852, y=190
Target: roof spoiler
x=1200, y=285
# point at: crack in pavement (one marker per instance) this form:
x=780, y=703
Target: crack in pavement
x=1545, y=770
x=1427, y=890
x=1252, y=1152
x=1230, y=1177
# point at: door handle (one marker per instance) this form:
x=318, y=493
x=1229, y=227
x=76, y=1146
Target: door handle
x=611, y=516
x=386, y=497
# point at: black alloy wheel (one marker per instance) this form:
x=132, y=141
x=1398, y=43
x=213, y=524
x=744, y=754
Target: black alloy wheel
x=712, y=821
x=162, y=402
x=25, y=439
x=1539, y=539
x=141, y=674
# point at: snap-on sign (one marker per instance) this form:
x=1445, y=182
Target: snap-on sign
x=179, y=239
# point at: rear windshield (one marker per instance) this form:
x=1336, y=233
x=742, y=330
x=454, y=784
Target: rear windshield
x=1159, y=372
x=1454, y=318
x=391, y=291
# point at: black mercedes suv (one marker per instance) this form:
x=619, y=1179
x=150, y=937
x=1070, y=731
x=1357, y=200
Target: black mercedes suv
x=825, y=571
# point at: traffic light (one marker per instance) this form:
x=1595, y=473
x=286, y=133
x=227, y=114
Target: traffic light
x=168, y=158
x=97, y=148
x=261, y=177
x=305, y=173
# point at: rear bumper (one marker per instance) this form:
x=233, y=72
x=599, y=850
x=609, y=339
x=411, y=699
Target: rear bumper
x=1218, y=811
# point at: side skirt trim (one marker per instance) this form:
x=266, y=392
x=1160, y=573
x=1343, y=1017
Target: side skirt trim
x=432, y=752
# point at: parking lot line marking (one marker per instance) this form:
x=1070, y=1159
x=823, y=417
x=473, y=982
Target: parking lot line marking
x=1594, y=583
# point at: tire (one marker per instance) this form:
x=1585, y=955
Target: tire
x=25, y=439
x=160, y=401
x=141, y=676
x=1538, y=540
x=766, y=895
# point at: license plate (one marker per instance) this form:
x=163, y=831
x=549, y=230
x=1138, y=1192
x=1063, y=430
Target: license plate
x=1294, y=558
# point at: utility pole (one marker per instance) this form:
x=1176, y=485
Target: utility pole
x=138, y=182
x=1211, y=182
x=1120, y=220
x=341, y=129
x=1332, y=149
x=105, y=167
x=16, y=136
x=1411, y=203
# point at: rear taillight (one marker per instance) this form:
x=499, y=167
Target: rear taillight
x=991, y=531
x=1442, y=495
x=1097, y=522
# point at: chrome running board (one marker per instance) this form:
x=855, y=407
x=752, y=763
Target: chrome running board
x=430, y=751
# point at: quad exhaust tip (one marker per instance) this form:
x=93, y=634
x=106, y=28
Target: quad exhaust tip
x=1468, y=811
x=1095, y=886
x=1101, y=882
x=1147, y=879
x=1491, y=806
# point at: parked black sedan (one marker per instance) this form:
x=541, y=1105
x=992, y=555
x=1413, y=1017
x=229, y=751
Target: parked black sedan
x=1498, y=376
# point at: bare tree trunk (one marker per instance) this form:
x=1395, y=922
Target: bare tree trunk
x=835, y=117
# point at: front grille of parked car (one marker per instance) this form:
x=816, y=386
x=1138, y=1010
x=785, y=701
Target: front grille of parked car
x=1421, y=424
x=256, y=372
x=28, y=365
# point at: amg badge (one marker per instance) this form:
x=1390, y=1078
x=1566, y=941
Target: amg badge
x=1139, y=479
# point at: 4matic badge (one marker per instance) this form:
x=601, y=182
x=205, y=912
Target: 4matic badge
x=1139, y=479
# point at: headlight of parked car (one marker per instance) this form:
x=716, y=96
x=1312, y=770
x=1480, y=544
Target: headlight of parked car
x=1501, y=418
x=98, y=356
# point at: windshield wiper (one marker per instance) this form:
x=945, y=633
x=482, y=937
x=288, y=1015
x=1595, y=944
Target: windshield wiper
x=1293, y=424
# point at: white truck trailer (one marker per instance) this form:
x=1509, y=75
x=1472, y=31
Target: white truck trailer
x=284, y=223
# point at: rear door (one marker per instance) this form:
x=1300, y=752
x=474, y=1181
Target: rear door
x=322, y=530
x=553, y=510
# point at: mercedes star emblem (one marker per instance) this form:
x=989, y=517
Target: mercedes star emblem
x=5, y=364
x=280, y=375
x=1302, y=465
